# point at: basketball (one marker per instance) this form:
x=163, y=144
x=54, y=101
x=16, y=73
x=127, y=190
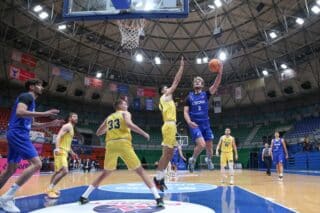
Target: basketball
x=214, y=65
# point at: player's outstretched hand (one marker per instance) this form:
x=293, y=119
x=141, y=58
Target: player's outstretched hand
x=51, y=112
x=192, y=124
x=182, y=61
x=57, y=122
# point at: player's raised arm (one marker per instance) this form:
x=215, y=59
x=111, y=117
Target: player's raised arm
x=102, y=128
x=177, y=78
x=217, y=82
x=134, y=127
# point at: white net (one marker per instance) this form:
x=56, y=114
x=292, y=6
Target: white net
x=130, y=30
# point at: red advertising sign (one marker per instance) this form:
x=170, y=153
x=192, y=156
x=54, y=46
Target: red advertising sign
x=93, y=82
x=24, y=58
x=20, y=74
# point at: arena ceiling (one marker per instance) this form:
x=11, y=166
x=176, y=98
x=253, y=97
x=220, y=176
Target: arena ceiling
x=240, y=28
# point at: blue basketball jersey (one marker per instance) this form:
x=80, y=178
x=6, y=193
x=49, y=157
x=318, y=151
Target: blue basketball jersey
x=175, y=153
x=198, y=106
x=277, y=145
x=22, y=123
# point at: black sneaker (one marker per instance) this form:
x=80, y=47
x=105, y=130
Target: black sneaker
x=160, y=202
x=83, y=200
x=160, y=184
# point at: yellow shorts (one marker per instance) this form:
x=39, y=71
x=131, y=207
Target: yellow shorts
x=226, y=157
x=169, y=131
x=122, y=149
x=60, y=160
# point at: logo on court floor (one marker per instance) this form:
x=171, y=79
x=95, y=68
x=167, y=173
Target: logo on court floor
x=128, y=206
x=141, y=188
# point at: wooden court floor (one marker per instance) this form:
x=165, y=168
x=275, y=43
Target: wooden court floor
x=299, y=192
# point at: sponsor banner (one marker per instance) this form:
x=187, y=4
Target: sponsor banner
x=22, y=166
x=93, y=82
x=20, y=74
x=24, y=58
x=123, y=89
x=149, y=104
x=129, y=206
x=140, y=92
x=140, y=188
x=63, y=73
x=217, y=104
x=237, y=93
x=149, y=92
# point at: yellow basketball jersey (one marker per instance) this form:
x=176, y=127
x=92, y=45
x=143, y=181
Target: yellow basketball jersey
x=168, y=109
x=66, y=140
x=117, y=128
x=226, y=144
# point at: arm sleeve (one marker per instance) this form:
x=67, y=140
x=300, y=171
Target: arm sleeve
x=25, y=98
x=208, y=94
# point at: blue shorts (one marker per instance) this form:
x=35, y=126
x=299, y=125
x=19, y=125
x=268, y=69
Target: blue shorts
x=202, y=131
x=278, y=158
x=174, y=161
x=20, y=146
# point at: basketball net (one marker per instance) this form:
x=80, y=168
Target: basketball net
x=130, y=30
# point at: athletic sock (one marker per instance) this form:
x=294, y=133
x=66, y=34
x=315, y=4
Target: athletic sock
x=88, y=191
x=51, y=186
x=13, y=189
x=160, y=174
x=155, y=192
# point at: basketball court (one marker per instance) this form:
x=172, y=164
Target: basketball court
x=272, y=46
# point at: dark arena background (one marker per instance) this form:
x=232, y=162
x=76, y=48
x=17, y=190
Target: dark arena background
x=89, y=53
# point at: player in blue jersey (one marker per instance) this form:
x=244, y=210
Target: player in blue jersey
x=196, y=114
x=278, y=148
x=19, y=144
x=177, y=155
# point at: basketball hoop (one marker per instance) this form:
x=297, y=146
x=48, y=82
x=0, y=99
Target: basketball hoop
x=130, y=30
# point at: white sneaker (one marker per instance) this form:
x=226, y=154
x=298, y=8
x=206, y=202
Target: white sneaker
x=7, y=204
x=231, y=182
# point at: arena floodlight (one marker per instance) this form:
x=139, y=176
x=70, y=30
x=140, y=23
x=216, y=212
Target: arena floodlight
x=315, y=9
x=265, y=72
x=62, y=27
x=43, y=15
x=300, y=21
x=157, y=60
x=273, y=35
x=139, y=57
x=37, y=8
x=284, y=66
x=222, y=56
x=218, y=3
x=199, y=61
x=99, y=75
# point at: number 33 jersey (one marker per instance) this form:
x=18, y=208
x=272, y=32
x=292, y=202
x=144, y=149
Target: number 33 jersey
x=117, y=128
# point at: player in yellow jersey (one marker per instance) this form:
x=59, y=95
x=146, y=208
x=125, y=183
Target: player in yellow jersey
x=63, y=148
x=228, y=146
x=117, y=128
x=169, y=128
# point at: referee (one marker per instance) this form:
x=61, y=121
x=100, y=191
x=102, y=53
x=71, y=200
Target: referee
x=266, y=158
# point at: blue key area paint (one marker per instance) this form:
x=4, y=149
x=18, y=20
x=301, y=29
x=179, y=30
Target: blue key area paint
x=221, y=199
x=180, y=187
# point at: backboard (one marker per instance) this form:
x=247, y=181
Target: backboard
x=124, y=9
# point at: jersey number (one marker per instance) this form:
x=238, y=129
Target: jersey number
x=114, y=124
x=199, y=108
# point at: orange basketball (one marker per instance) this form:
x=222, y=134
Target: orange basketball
x=214, y=65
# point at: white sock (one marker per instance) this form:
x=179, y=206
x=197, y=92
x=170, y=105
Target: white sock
x=88, y=191
x=155, y=192
x=51, y=186
x=231, y=170
x=13, y=189
x=281, y=174
x=160, y=175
